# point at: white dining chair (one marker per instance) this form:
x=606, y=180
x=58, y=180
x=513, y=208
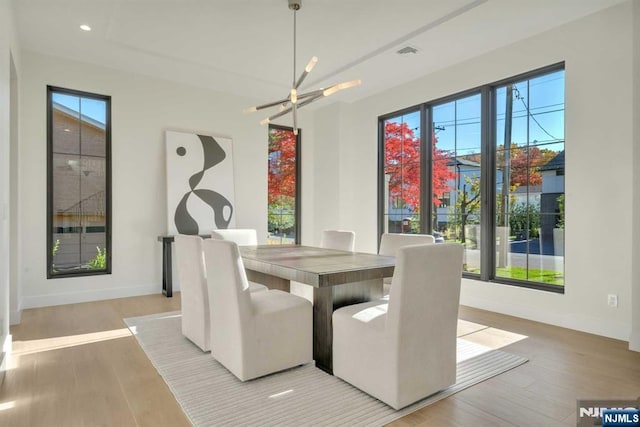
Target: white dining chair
x=253, y=333
x=403, y=349
x=391, y=242
x=338, y=239
x=242, y=236
x=331, y=239
x=193, y=290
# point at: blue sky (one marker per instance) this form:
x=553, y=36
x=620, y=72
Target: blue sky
x=93, y=108
x=458, y=122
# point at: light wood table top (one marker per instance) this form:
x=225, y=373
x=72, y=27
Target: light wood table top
x=318, y=267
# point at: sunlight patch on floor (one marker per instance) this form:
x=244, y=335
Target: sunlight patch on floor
x=21, y=348
x=465, y=327
x=281, y=394
x=7, y=405
x=491, y=337
x=484, y=337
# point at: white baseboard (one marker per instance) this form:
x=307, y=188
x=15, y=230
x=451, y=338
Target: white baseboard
x=47, y=300
x=592, y=325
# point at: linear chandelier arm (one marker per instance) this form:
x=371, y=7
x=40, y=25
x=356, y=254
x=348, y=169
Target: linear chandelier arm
x=301, y=79
x=268, y=105
x=309, y=100
x=289, y=109
x=276, y=115
x=340, y=86
x=312, y=63
x=313, y=93
x=294, y=112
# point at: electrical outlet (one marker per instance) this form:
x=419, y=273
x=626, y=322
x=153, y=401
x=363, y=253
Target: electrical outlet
x=612, y=300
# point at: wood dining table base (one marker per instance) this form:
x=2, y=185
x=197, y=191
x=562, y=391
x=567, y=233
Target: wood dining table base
x=325, y=301
x=328, y=299
x=271, y=282
x=337, y=278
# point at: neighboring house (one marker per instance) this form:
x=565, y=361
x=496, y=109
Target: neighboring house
x=526, y=194
x=466, y=174
x=552, y=189
x=78, y=173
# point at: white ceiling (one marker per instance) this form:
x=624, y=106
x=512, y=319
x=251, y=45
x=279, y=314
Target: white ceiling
x=245, y=47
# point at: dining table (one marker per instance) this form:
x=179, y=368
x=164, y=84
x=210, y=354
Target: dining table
x=338, y=278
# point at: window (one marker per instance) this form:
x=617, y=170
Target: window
x=79, y=183
x=493, y=175
x=283, y=186
x=529, y=147
x=445, y=200
x=455, y=169
x=402, y=172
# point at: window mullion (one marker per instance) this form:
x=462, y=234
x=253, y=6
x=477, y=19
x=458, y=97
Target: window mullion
x=426, y=157
x=488, y=184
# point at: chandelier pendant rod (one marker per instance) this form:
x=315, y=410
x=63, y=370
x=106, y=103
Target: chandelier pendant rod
x=293, y=94
x=293, y=83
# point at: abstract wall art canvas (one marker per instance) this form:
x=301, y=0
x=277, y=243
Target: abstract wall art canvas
x=200, y=190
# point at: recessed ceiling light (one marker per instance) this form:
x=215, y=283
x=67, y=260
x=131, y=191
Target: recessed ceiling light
x=85, y=27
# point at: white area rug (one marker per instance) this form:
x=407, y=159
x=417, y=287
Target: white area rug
x=212, y=396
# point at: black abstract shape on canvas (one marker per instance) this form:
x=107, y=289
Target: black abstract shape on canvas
x=217, y=202
x=213, y=155
x=184, y=221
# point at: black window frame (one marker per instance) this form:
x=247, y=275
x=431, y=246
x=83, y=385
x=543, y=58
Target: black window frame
x=298, y=175
x=80, y=272
x=487, y=180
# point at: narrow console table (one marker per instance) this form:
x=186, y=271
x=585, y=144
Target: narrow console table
x=167, y=271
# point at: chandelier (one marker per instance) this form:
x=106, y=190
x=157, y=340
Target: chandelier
x=295, y=100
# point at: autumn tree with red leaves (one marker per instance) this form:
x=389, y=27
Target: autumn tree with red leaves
x=402, y=165
x=282, y=164
x=441, y=173
x=281, y=179
x=524, y=164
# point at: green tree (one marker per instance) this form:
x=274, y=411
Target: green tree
x=99, y=262
x=524, y=219
x=467, y=204
x=560, y=222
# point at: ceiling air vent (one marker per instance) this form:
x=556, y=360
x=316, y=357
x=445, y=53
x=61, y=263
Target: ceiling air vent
x=407, y=50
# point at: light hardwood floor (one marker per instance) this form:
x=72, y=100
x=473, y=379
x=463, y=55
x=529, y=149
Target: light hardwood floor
x=77, y=365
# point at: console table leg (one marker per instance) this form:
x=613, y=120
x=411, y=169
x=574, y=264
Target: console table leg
x=167, y=273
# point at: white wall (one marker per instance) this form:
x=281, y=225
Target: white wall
x=142, y=108
x=15, y=299
x=634, y=342
x=325, y=158
x=8, y=54
x=4, y=181
x=597, y=51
